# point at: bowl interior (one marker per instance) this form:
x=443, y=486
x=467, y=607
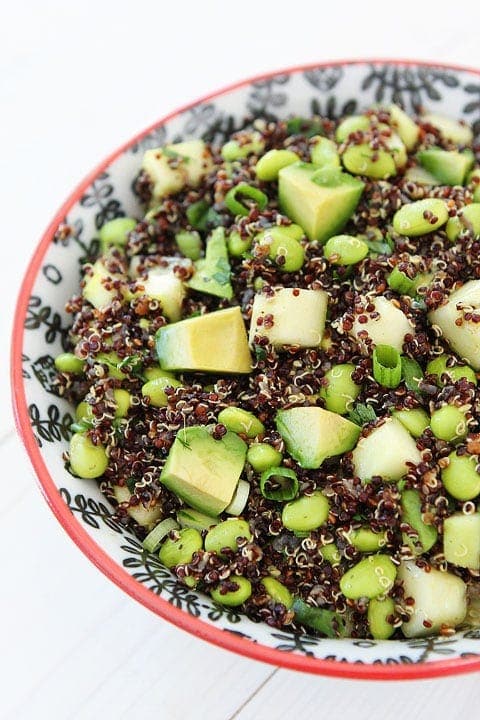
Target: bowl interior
x=41, y=330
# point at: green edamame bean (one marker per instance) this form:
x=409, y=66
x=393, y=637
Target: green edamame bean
x=441, y=366
x=69, y=363
x=226, y=534
x=262, y=456
x=154, y=372
x=476, y=194
x=293, y=230
x=84, y=411
x=426, y=535
x=324, y=152
x=420, y=217
x=155, y=390
x=241, y=421
x=111, y=360
x=366, y=541
x=307, y=513
x=277, y=591
x=378, y=612
x=345, y=250
x=115, y=232
x=234, y=150
x=180, y=550
x=189, y=243
x=123, y=400
x=86, y=459
x=330, y=554
x=238, y=245
x=362, y=160
x=188, y=517
x=286, y=252
x=268, y=167
x=448, y=423
x=340, y=392
x=460, y=478
x=232, y=598
x=372, y=576
x=351, y=124
x=467, y=220
x=415, y=421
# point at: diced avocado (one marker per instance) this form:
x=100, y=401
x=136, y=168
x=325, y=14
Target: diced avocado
x=388, y=327
x=173, y=167
x=407, y=129
x=380, y=609
x=468, y=219
x=350, y=125
x=385, y=452
x=214, y=343
x=319, y=200
x=312, y=434
x=298, y=317
x=420, y=176
x=451, y=129
x=448, y=166
x=324, y=153
x=464, y=337
x=144, y=516
x=212, y=273
x=461, y=540
x=99, y=288
x=412, y=514
x=415, y=420
x=202, y=471
x=440, y=599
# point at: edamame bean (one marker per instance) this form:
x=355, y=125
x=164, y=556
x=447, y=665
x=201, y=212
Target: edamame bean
x=86, y=459
x=330, y=554
x=180, y=550
x=467, y=220
x=234, y=150
x=286, y=252
x=84, y=411
x=188, y=517
x=426, y=535
x=232, y=598
x=295, y=231
x=366, y=541
x=362, y=160
x=155, y=390
x=372, y=576
x=268, y=167
x=307, y=513
x=378, y=612
x=151, y=373
x=350, y=125
x=225, y=535
x=262, y=456
x=324, y=152
x=238, y=245
x=115, y=232
x=189, y=243
x=415, y=421
x=420, y=217
x=111, y=360
x=123, y=400
x=441, y=366
x=460, y=478
x=241, y=421
x=345, y=250
x=69, y=363
x=277, y=591
x=340, y=392
x=448, y=423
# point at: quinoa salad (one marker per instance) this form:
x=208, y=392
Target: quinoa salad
x=275, y=368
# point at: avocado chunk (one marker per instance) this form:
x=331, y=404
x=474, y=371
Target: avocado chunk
x=213, y=343
x=298, y=317
x=385, y=452
x=407, y=129
x=312, y=434
x=173, y=167
x=212, y=273
x=462, y=334
x=448, y=166
x=453, y=130
x=426, y=535
x=202, y=471
x=461, y=540
x=103, y=287
x=319, y=200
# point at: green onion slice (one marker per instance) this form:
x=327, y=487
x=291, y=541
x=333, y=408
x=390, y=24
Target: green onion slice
x=279, y=483
x=248, y=191
x=196, y=214
x=412, y=374
x=401, y=283
x=387, y=366
x=154, y=538
x=325, y=621
x=240, y=498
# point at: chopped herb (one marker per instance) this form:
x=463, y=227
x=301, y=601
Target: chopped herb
x=130, y=483
x=412, y=374
x=174, y=154
x=81, y=426
x=380, y=247
x=362, y=414
x=305, y=126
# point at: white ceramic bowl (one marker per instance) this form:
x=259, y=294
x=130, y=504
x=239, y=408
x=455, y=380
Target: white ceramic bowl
x=43, y=419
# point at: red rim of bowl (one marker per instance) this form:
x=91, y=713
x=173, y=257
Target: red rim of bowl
x=155, y=603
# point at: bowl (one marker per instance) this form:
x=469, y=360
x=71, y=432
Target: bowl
x=43, y=419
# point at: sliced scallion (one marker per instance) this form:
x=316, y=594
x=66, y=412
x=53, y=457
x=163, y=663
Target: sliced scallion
x=401, y=283
x=154, y=538
x=279, y=483
x=243, y=189
x=240, y=498
x=387, y=366
x=412, y=374
x=325, y=621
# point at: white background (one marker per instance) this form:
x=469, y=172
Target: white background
x=76, y=80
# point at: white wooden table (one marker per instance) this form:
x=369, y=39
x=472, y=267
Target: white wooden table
x=76, y=80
